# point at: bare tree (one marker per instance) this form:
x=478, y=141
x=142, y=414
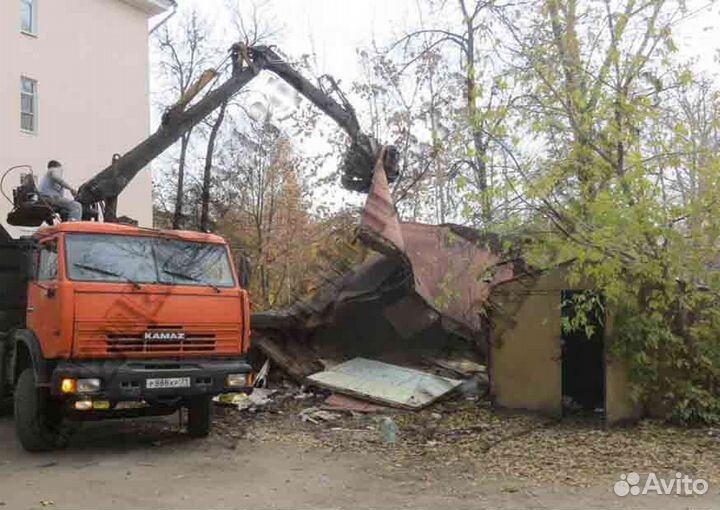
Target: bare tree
x=252, y=21
x=454, y=96
x=251, y=28
x=184, y=50
x=205, y=197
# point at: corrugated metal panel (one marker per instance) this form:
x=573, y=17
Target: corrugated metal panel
x=379, y=213
x=385, y=383
x=420, y=276
x=453, y=272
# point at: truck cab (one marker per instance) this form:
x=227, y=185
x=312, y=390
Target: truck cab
x=124, y=321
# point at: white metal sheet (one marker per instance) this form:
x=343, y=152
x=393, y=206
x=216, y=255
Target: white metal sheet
x=385, y=383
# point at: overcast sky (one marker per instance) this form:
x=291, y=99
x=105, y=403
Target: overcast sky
x=333, y=30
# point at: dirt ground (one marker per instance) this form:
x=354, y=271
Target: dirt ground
x=459, y=454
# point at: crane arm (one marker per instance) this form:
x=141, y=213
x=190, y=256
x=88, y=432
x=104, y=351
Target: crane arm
x=265, y=58
x=247, y=62
x=110, y=182
x=364, y=150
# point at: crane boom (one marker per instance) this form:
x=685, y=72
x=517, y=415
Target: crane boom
x=247, y=62
x=110, y=182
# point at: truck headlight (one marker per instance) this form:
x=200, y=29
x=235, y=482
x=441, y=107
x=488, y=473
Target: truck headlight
x=236, y=380
x=88, y=385
x=68, y=385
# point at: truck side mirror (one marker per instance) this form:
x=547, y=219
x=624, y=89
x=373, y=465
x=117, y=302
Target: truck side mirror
x=244, y=271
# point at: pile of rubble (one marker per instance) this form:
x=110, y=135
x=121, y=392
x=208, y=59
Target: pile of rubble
x=324, y=413
x=403, y=325
x=399, y=329
x=363, y=386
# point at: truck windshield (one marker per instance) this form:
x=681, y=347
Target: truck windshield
x=137, y=259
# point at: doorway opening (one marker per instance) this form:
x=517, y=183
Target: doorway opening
x=583, y=353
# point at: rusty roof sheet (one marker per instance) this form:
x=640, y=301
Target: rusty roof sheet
x=420, y=275
x=452, y=273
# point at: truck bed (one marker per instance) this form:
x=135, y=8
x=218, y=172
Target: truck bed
x=14, y=258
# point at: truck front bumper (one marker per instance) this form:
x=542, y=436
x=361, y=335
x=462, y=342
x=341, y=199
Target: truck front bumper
x=134, y=380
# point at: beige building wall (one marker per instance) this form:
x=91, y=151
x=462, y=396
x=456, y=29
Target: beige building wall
x=525, y=355
x=90, y=60
x=620, y=407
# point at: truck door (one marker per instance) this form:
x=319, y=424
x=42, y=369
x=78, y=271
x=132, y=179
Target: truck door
x=43, y=311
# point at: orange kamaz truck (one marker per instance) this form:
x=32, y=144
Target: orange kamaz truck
x=104, y=320
x=100, y=319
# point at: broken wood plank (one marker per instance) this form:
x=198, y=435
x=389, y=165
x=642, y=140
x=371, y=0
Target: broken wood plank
x=287, y=355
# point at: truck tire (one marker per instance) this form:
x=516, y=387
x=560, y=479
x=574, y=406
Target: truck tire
x=199, y=417
x=37, y=421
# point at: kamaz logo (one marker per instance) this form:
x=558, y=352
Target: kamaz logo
x=164, y=335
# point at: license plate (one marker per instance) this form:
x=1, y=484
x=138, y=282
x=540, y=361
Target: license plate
x=168, y=382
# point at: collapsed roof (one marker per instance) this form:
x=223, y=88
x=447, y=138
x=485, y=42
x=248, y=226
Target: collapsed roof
x=420, y=286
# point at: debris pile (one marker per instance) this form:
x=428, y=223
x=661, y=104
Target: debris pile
x=410, y=312
x=259, y=398
x=402, y=330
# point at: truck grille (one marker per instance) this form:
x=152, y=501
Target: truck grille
x=133, y=341
x=137, y=343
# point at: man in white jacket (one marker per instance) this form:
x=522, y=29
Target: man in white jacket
x=52, y=190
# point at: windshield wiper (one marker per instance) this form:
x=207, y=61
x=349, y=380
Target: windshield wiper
x=107, y=272
x=190, y=278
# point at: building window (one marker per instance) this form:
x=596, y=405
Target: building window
x=28, y=105
x=28, y=16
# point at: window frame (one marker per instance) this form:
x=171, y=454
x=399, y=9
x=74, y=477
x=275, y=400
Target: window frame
x=49, y=246
x=34, y=96
x=68, y=272
x=33, y=30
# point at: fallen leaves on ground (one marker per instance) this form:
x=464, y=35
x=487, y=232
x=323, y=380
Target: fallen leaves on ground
x=471, y=439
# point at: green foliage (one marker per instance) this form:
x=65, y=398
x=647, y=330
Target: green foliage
x=589, y=310
x=673, y=370
x=625, y=192
x=576, y=120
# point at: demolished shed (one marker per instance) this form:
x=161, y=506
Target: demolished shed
x=426, y=290
x=418, y=294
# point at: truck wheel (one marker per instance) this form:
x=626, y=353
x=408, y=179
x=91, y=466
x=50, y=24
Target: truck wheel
x=37, y=421
x=199, y=416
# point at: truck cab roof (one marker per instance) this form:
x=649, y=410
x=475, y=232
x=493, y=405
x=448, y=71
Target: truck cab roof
x=92, y=227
